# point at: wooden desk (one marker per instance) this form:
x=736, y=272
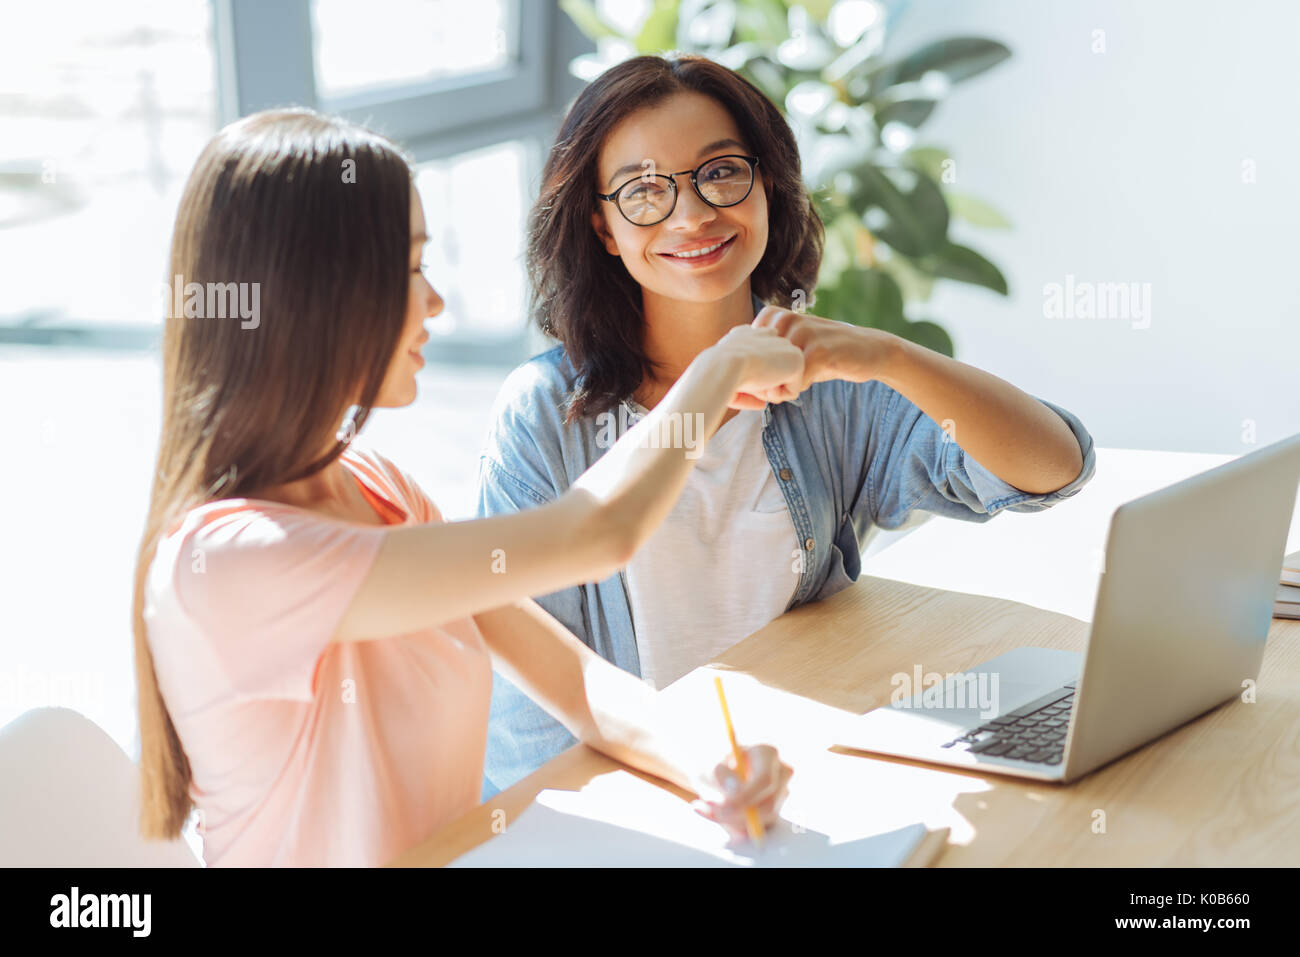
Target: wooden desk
x=1222, y=790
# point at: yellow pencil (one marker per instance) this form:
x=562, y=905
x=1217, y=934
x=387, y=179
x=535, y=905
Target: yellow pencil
x=756, y=832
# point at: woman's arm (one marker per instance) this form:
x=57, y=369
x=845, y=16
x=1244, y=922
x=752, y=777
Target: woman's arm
x=619, y=715
x=1014, y=436
x=427, y=574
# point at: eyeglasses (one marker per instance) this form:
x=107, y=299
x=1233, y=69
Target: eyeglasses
x=651, y=197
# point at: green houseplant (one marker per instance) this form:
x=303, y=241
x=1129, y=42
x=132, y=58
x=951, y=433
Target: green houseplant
x=887, y=201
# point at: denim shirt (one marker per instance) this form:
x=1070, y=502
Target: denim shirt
x=847, y=456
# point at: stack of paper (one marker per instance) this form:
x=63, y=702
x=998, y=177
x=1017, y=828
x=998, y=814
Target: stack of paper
x=608, y=824
x=1286, y=603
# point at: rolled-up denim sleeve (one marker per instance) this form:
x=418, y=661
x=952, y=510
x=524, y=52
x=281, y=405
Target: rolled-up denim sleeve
x=915, y=465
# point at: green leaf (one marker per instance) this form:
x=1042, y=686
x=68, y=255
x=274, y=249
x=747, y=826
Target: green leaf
x=827, y=154
x=824, y=302
x=916, y=285
x=916, y=215
x=768, y=77
x=864, y=297
x=958, y=58
x=735, y=56
x=928, y=160
x=584, y=16
x=911, y=113
x=825, y=204
x=929, y=334
x=763, y=22
x=855, y=63
x=659, y=31
x=976, y=211
x=840, y=252
x=952, y=261
x=819, y=10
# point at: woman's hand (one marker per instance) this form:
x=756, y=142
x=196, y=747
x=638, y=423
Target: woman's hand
x=771, y=368
x=725, y=798
x=832, y=350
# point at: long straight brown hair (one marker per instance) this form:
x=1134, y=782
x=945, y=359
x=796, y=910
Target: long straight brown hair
x=316, y=212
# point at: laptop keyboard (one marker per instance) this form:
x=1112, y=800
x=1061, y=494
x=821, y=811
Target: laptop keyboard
x=1033, y=732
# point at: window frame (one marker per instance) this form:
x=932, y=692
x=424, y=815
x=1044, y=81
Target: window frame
x=264, y=57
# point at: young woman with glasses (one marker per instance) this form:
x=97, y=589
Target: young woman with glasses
x=671, y=211
x=314, y=643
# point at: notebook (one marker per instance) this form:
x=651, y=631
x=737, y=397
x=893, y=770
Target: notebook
x=608, y=824
x=1286, y=601
x=1291, y=569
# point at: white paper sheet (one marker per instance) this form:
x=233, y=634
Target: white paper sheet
x=612, y=824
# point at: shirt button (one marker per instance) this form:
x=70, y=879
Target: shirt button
x=808, y=544
x=785, y=475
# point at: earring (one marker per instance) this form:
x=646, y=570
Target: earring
x=348, y=430
x=226, y=480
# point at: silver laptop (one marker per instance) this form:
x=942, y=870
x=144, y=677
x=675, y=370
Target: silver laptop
x=1182, y=614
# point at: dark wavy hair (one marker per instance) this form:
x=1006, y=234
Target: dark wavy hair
x=590, y=303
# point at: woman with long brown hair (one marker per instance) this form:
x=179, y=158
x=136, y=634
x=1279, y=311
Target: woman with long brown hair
x=672, y=211
x=313, y=642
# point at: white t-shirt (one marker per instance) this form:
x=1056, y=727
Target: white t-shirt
x=722, y=565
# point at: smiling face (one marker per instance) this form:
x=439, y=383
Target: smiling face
x=701, y=253
x=422, y=302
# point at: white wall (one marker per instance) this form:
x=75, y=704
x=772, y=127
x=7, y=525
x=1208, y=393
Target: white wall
x=1126, y=166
